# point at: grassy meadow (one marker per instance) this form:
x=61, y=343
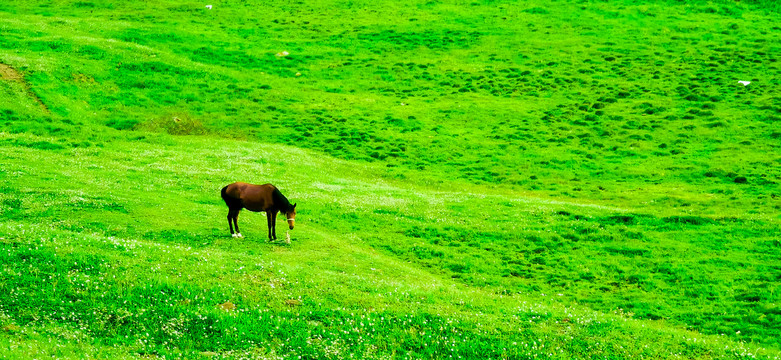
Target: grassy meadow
x=489, y=179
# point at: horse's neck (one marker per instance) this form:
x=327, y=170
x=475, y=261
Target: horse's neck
x=280, y=201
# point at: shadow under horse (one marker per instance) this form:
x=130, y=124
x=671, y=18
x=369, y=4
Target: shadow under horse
x=257, y=198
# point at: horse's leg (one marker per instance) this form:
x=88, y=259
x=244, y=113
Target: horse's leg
x=234, y=215
x=270, y=224
x=230, y=223
x=274, y=224
x=236, y=223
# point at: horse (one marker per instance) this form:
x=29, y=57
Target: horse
x=257, y=198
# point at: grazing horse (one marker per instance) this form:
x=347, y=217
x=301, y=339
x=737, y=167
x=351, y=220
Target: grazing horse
x=256, y=198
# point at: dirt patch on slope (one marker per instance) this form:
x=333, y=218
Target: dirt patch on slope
x=7, y=73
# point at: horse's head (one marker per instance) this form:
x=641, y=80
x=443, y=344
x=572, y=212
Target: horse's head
x=291, y=216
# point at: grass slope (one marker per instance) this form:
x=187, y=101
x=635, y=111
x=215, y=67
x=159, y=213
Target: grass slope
x=115, y=266
x=565, y=179
x=566, y=98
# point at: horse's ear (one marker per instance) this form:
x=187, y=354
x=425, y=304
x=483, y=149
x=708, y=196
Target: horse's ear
x=294, y=206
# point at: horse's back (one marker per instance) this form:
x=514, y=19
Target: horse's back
x=250, y=196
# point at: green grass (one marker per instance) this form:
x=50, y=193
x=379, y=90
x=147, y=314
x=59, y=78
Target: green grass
x=139, y=266
x=486, y=180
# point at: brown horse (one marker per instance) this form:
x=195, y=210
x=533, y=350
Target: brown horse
x=256, y=198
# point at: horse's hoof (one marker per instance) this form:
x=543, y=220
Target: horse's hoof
x=239, y=235
x=234, y=235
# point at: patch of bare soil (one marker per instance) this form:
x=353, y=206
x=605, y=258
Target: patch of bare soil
x=7, y=73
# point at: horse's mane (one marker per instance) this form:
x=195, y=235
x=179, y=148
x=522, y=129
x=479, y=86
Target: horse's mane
x=281, y=201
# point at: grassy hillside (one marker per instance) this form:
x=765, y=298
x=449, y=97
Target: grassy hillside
x=565, y=179
x=121, y=251
x=560, y=98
